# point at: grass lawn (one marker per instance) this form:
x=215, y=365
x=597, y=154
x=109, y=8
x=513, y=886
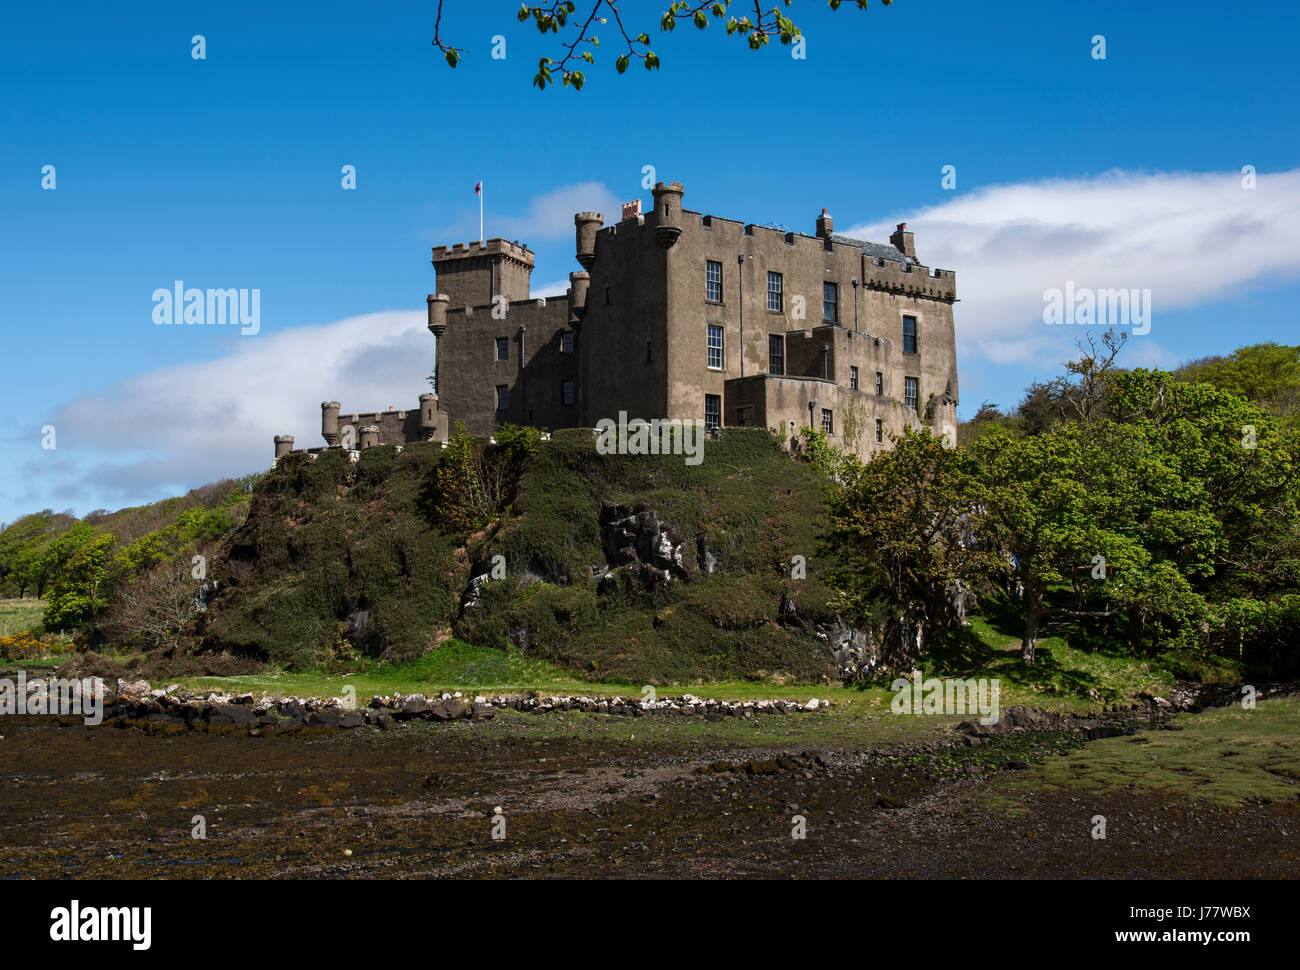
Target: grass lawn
x=1059, y=681
x=1221, y=756
x=17, y=615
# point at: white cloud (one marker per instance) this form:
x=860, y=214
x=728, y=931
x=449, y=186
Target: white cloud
x=188, y=424
x=1191, y=238
x=550, y=215
x=557, y=288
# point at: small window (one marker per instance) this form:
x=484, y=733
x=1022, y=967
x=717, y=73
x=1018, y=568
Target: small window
x=566, y=393
x=713, y=281
x=880, y=430
x=503, y=397
x=775, y=353
x=828, y=421
x=830, y=302
x=909, y=335
x=649, y=352
x=712, y=412
x=853, y=378
x=609, y=295
x=880, y=382
x=566, y=342
x=503, y=348
x=743, y=416
x=912, y=394
x=775, y=295
x=715, y=347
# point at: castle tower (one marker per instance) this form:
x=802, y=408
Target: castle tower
x=472, y=274
x=668, y=212
x=283, y=445
x=579, y=286
x=588, y=224
x=369, y=436
x=329, y=422
x=429, y=416
x=437, y=327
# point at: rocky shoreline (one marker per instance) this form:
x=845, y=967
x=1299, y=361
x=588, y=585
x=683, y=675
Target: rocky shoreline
x=171, y=709
x=136, y=703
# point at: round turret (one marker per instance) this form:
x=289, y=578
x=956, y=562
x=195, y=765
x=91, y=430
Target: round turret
x=438, y=313
x=668, y=212
x=588, y=224
x=428, y=411
x=283, y=445
x=369, y=436
x=579, y=285
x=329, y=421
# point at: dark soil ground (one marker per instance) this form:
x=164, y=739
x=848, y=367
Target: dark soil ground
x=582, y=797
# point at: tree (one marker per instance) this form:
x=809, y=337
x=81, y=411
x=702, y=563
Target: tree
x=902, y=540
x=82, y=579
x=581, y=40
x=1268, y=374
x=23, y=563
x=156, y=608
x=1040, y=510
x=476, y=480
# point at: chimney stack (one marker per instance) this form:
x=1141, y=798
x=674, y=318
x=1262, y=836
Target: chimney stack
x=903, y=241
x=825, y=225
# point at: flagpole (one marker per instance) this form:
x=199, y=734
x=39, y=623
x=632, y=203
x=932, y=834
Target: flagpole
x=480, y=212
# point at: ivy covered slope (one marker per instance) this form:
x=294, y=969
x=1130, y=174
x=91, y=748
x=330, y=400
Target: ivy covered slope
x=636, y=568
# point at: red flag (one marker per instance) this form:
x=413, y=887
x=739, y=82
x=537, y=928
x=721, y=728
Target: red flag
x=478, y=187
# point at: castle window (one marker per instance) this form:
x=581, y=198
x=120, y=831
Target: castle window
x=715, y=347
x=912, y=394
x=909, y=335
x=503, y=397
x=609, y=294
x=649, y=352
x=828, y=421
x=775, y=353
x=830, y=302
x=880, y=382
x=712, y=412
x=566, y=393
x=853, y=378
x=880, y=430
x=775, y=294
x=566, y=343
x=503, y=348
x=713, y=281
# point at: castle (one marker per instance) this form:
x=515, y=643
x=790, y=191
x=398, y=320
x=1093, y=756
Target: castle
x=682, y=316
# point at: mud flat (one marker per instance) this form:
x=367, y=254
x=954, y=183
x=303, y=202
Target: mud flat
x=594, y=796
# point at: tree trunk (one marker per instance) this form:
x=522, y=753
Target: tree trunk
x=1033, y=614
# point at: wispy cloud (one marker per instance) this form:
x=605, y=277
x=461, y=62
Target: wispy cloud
x=547, y=217
x=1191, y=238
x=185, y=425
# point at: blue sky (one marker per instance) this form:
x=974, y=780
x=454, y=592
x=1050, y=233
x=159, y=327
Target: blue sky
x=225, y=172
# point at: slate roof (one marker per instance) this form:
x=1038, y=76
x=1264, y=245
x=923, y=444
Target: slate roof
x=878, y=250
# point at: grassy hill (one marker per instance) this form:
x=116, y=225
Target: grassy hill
x=340, y=560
